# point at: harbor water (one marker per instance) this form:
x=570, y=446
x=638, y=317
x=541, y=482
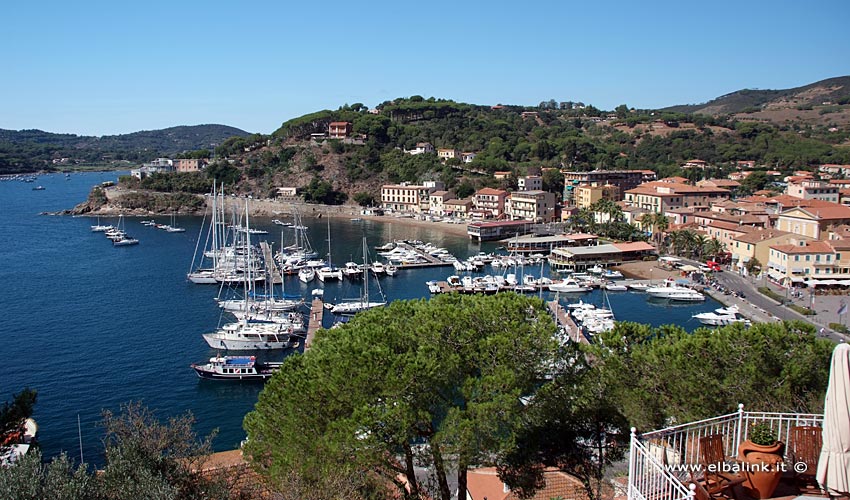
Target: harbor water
x=91, y=326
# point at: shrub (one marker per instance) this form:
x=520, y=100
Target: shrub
x=762, y=434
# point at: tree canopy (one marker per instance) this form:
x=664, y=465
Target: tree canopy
x=435, y=382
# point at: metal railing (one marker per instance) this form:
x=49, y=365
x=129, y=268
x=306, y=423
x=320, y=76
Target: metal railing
x=661, y=462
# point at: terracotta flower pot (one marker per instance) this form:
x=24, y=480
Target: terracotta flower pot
x=760, y=467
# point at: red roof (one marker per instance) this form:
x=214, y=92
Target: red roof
x=488, y=191
x=340, y=124
x=809, y=247
x=634, y=246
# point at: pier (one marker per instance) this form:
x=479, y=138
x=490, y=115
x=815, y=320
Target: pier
x=271, y=265
x=564, y=321
x=431, y=261
x=314, y=322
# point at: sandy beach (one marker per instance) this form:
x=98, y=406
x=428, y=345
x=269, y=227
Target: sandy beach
x=646, y=270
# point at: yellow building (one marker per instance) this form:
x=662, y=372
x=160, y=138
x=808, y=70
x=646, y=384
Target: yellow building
x=813, y=221
x=756, y=245
x=585, y=196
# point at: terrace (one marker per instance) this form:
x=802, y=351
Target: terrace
x=664, y=463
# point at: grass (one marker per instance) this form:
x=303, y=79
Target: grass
x=770, y=293
x=805, y=311
x=838, y=327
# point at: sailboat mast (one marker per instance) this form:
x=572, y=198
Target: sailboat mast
x=365, y=274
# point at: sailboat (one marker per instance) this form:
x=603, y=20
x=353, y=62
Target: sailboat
x=306, y=274
x=97, y=228
x=351, y=307
x=329, y=272
x=201, y=274
x=172, y=228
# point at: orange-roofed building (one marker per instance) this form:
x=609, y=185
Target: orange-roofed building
x=490, y=200
x=799, y=262
x=661, y=196
x=339, y=130
x=484, y=484
x=756, y=245
x=813, y=220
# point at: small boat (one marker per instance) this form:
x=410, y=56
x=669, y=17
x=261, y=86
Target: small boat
x=281, y=223
x=568, y=285
x=306, y=274
x=236, y=368
x=390, y=269
x=356, y=219
x=125, y=241
x=614, y=287
x=38, y=188
x=612, y=275
x=640, y=287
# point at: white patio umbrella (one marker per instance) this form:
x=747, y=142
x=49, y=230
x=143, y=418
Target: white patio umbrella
x=834, y=464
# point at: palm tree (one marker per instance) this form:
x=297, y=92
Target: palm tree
x=698, y=245
x=659, y=224
x=713, y=247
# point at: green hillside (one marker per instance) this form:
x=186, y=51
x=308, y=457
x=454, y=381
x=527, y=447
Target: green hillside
x=30, y=150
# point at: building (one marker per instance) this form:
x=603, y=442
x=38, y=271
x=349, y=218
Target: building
x=421, y=148
x=622, y=179
x=406, y=197
x=545, y=244
x=756, y=245
x=501, y=175
x=700, y=164
x=808, y=189
x=661, y=196
x=458, y=209
x=491, y=200
x=580, y=259
x=585, y=196
x=537, y=206
x=437, y=201
x=799, y=261
x=729, y=184
x=467, y=157
x=484, y=484
x=190, y=164
x=498, y=230
x=160, y=165
x=287, y=192
x=447, y=154
x=339, y=130
x=530, y=183
x=813, y=221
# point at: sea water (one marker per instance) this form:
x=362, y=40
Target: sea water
x=91, y=326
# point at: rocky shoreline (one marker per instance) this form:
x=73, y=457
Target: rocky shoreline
x=258, y=208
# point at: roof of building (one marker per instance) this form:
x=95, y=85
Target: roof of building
x=590, y=250
x=634, y=246
x=489, y=191
x=340, y=124
x=833, y=211
x=465, y=201
x=506, y=223
x=807, y=247
x=440, y=193
x=730, y=226
x=484, y=483
x=674, y=188
x=674, y=179
x=760, y=234
x=727, y=183
x=530, y=192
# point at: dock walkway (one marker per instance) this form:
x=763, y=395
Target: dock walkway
x=271, y=265
x=431, y=261
x=314, y=322
x=563, y=320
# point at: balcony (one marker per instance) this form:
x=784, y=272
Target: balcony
x=660, y=461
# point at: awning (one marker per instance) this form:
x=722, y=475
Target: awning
x=669, y=259
x=797, y=280
x=688, y=268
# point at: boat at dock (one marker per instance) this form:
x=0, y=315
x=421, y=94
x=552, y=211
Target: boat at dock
x=671, y=291
x=236, y=368
x=568, y=285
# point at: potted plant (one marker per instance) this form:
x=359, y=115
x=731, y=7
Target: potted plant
x=760, y=456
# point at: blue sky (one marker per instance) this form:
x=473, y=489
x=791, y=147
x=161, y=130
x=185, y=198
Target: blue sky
x=102, y=68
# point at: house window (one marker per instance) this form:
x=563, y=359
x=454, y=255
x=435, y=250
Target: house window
x=808, y=258
x=796, y=258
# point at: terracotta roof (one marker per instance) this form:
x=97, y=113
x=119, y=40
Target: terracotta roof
x=730, y=226
x=634, y=246
x=834, y=212
x=675, y=188
x=809, y=247
x=675, y=179
x=761, y=235
x=340, y=124
x=485, y=483
x=720, y=183
x=491, y=191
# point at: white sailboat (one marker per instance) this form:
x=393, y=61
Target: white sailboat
x=329, y=272
x=306, y=274
x=362, y=303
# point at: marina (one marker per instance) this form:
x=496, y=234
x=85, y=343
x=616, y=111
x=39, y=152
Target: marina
x=147, y=320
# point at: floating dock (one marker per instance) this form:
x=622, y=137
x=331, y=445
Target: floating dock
x=431, y=261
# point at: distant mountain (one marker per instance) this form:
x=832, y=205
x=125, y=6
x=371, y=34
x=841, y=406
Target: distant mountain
x=830, y=92
x=28, y=150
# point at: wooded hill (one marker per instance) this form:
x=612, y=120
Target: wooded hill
x=31, y=150
x=515, y=138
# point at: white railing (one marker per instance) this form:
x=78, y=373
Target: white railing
x=659, y=460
